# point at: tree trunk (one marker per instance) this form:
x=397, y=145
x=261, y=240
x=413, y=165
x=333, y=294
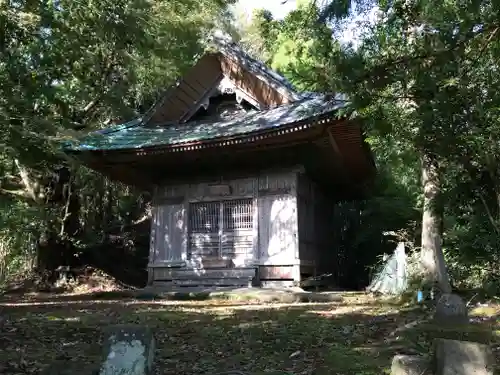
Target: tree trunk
x=55, y=247
x=432, y=253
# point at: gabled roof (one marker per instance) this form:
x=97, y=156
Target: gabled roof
x=232, y=50
x=259, y=84
x=290, y=127
x=136, y=134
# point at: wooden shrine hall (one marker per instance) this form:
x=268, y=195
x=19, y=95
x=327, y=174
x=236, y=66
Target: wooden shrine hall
x=245, y=172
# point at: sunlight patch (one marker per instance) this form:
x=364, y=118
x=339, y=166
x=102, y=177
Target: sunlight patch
x=62, y=319
x=485, y=311
x=339, y=311
x=260, y=324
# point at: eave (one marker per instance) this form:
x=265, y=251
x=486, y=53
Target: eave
x=347, y=162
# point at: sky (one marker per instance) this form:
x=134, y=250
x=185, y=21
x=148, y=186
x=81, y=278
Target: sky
x=280, y=8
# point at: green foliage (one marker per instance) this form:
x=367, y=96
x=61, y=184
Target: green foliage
x=297, y=46
x=304, y=52
x=427, y=69
x=69, y=66
x=422, y=78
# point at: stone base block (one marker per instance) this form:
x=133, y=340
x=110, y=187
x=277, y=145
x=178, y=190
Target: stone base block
x=454, y=357
x=410, y=365
x=129, y=350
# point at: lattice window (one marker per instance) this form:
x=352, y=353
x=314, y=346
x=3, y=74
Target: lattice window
x=204, y=217
x=238, y=214
x=222, y=229
x=204, y=223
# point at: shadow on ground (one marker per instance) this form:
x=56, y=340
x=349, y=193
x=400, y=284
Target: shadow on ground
x=250, y=295
x=209, y=337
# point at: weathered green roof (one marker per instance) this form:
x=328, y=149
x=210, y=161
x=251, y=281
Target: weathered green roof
x=134, y=135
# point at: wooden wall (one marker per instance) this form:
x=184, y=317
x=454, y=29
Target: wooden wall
x=168, y=228
x=275, y=237
x=277, y=229
x=316, y=227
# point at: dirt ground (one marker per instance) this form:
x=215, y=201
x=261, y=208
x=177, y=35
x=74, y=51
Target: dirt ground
x=63, y=334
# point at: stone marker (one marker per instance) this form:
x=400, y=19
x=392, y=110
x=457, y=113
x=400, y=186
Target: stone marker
x=410, y=365
x=451, y=310
x=129, y=350
x=454, y=357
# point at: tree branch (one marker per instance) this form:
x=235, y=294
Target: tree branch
x=17, y=193
x=489, y=213
x=406, y=60
x=67, y=212
x=28, y=184
x=84, y=113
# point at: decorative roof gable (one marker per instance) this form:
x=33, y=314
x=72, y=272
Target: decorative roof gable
x=227, y=63
x=234, y=52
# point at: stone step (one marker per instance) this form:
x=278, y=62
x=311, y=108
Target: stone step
x=205, y=281
x=213, y=273
x=163, y=284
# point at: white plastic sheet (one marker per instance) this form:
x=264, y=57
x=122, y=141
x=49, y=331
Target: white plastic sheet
x=392, y=278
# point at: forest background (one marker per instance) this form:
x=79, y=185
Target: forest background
x=423, y=76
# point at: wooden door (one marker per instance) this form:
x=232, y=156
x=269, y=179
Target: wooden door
x=237, y=229
x=221, y=229
x=204, y=230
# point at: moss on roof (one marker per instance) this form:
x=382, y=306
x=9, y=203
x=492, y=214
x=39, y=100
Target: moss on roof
x=134, y=135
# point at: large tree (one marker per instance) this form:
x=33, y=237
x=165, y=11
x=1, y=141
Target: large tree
x=422, y=76
x=73, y=66
x=296, y=46
x=305, y=53
x=433, y=62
